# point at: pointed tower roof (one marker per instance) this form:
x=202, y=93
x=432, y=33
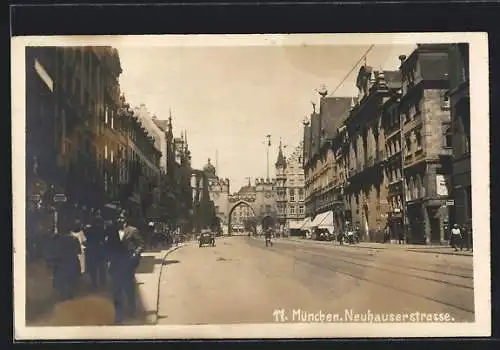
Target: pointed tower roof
x=170, y=131
x=280, y=162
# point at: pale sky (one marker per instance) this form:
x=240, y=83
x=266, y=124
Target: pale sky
x=229, y=98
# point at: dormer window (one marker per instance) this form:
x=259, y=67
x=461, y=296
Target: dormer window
x=445, y=102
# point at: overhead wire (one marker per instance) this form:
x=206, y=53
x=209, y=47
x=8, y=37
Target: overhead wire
x=363, y=57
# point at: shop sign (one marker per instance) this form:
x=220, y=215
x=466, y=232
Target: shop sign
x=60, y=197
x=35, y=197
x=450, y=202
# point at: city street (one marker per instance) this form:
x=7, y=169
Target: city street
x=242, y=281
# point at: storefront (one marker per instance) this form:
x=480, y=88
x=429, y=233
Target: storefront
x=426, y=221
x=395, y=225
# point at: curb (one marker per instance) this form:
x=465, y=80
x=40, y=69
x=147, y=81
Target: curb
x=163, y=258
x=414, y=250
x=437, y=252
x=332, y=244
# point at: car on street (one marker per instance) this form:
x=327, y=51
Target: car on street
x=207, y=238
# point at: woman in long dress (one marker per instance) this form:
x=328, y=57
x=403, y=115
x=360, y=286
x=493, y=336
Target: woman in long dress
x=78, y=233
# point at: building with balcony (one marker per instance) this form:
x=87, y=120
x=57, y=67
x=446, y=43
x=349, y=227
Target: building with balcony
x=83, y=140
x=290, y=192
x=459, y=97
x=393, y=166
x=324, y=204
x=70, y=93
x=132, y=156
x=426, y=141
x=366, y=193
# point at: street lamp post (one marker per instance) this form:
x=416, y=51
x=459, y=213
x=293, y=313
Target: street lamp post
x=268, y=144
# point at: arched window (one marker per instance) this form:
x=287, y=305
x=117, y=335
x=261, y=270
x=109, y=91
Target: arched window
x=448, y=138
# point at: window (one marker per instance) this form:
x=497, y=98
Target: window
x=448, y=138
x=408, y=143
x=106, y=152
x=418, y=139
x=445, y=102
x=301, y=194
x=292, y=195
x=407, y=192
x=292, y=209
x=301, y=209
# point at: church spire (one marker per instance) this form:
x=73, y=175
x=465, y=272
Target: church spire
x=170, y=133
x=280, y=162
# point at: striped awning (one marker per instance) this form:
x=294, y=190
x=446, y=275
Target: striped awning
x=306, y=224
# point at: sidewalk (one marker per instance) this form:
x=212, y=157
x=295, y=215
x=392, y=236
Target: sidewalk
x=148, y=281
x=435, y=249
x=92, y=308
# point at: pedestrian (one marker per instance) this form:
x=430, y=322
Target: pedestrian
x=77, y=232
x=401, y=236
x=268, y=235
x=124, y=249
x=95, y=251
x=65, y=252
x=456, y=237
x=465, y=241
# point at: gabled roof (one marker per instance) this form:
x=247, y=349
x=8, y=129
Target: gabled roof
x=162, y=124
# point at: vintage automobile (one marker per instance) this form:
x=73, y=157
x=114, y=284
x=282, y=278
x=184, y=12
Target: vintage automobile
x=207, y=238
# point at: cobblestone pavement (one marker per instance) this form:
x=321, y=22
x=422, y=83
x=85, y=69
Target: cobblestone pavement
x=242, y=281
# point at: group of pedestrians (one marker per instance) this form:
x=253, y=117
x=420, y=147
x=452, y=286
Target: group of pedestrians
x=460, y=238
x=102, y=247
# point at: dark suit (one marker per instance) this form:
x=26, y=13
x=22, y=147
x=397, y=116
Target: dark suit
x=124, y=257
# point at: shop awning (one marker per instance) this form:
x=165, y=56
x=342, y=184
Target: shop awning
x=318, y=219
x=294, y=225
x=306, y=224
x=327, y=222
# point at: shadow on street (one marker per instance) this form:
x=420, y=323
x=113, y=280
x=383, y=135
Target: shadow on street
x=147, y=264
x=170, y=262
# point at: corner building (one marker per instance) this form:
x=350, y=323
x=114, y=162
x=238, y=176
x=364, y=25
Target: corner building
x=427, y=142
x=459, y=96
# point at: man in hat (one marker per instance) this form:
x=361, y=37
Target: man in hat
x=125, y=246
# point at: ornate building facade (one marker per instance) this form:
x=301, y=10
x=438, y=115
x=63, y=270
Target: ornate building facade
x=290, y=192
x=219, y=194
x=366, y=193
x=73, y=101
x=459, y=96
x=324, y=206
x=427, y=142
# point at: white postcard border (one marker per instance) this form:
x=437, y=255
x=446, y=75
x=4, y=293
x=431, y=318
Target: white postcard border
x=479, y=93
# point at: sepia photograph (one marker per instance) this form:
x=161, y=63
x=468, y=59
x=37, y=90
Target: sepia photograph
x=251, y=186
